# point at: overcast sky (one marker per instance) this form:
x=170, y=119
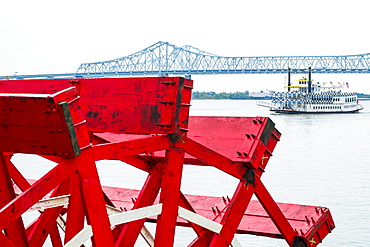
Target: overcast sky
x=39, y=36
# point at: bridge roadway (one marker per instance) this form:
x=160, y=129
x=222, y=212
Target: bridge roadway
x=165, y=59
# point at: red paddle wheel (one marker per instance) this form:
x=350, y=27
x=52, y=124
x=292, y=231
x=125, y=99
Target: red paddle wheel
x=145, y=123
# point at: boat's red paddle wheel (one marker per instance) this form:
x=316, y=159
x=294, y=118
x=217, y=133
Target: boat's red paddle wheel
x=145, y=123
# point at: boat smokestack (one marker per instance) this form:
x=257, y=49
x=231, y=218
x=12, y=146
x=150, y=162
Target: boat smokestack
x=289, y=84
x=309, y=80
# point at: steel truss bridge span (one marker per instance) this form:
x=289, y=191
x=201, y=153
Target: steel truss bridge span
x=163, y=58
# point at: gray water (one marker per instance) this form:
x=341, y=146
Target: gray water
x=321, y=160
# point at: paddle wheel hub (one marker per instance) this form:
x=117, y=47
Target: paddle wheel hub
x=143, y=122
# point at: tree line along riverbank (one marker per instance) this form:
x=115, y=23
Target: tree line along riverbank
x=242, y=95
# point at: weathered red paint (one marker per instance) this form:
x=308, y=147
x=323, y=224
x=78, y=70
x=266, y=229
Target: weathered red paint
x=15, y=230
x=42, y=227
x=169, y=197
x=145, y=123
x=233, y=214
x=146, y=197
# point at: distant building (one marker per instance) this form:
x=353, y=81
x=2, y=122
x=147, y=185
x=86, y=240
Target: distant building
x=259, y=94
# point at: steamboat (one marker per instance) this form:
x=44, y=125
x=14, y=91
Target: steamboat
x=308, y=97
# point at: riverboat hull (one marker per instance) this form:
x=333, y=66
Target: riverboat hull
x=286, y=111
x=305, y=108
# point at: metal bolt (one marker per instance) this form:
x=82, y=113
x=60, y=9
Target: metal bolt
x=168, y=83
x=48, y=111
x=188, y=86
x=224, y=199
x=163, y=125
x=307, y=220
x=74, y=81
x=214, y=211
x=218, y=210
x=166, y=102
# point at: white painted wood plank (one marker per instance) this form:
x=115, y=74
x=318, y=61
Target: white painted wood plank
x=136, y=214
x=204, y=222
x=145, y=233
x=81, y=237
x=50, y=203
x=199, y=220
x=148, y=237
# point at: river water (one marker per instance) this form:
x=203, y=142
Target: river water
x=321, y=160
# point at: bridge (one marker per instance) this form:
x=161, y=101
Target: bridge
x=163, y=59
